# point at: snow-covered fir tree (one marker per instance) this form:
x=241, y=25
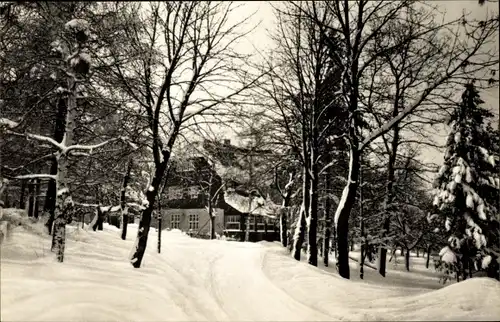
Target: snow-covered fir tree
x=466, y=191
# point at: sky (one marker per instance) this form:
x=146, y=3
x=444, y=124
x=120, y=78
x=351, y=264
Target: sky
x=263, y=21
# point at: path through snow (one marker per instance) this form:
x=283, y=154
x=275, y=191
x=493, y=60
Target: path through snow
x=199, y=280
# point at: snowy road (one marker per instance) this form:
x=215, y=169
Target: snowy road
x=201, y=280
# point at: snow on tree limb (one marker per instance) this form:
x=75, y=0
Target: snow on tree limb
x=7, y=123
x=36, y=176
x=88, y=147
x=42, y=138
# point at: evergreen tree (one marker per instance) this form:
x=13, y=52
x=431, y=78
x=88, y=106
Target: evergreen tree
x=466, y=191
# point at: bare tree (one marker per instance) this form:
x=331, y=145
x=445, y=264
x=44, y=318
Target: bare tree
x=181, y=52
x=298, y=88
x=361, y=26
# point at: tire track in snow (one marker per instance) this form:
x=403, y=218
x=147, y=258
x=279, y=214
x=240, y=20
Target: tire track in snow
x=197, y=289
x=249, y=295
x=212, y=287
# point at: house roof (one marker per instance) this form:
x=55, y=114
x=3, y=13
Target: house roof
x=258, y=205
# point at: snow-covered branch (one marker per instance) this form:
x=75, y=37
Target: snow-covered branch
x=89, y=147
x=42, y=138
x=8, y=123
x=36, y=176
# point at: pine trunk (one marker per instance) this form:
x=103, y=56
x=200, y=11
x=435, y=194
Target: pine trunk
x=344, y=210
x=50, y=197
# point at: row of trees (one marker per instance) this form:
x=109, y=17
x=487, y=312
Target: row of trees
x=345, y=99
x=366, y=79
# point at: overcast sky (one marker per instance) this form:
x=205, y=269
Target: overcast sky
x=264, y=20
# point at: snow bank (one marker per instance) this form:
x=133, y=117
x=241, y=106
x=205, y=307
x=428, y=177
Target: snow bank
x=214, y=280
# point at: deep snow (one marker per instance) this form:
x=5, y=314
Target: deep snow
x=197, y=280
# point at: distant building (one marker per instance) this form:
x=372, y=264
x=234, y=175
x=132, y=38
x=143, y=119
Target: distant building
x=185, y=199
x=184, y=204
x=262, y=217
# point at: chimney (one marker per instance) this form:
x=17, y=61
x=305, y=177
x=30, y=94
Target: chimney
x=227, y=142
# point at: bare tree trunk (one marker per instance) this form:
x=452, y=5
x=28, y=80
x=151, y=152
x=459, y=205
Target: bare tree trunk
x=284, y=211
x=344, y=209
x=299, y=235
x=21, y=198
x=160, y=228
x=247, y=222
x=50, y=197
x=407, y=260
x=312, y=228
x=300, y=229
x=63, y=199
x=37, y=194
x=123, y=205
x=145, y=222
x=361, y=225
x=283, y=227
x=334, y=244
x=100, y=218
x=31, y=200
x=393, y=252
x=212, y=217
x=328, y=220
x=417, y=252
x=389, y=194
x=428, y=256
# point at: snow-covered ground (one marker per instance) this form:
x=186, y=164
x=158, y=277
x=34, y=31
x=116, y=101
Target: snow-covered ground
x=198, y=280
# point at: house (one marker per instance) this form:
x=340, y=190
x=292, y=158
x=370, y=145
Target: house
x=262, y=217
x=184, y=201
x=246, y=177
x=193, y=180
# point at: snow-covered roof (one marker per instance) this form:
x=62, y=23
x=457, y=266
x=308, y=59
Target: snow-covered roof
x=259, y=206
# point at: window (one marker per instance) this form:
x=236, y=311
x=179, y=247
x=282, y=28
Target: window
x=175, y=221
x=193, y=192
x=175, y=192
x=193, y=221
x=233, y=222
x=260, y=223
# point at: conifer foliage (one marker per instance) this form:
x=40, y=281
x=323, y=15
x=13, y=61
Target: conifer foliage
x=466, y=191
